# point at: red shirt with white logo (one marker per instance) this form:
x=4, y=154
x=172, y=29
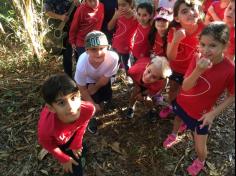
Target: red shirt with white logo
x=142, y=46
x=136, y=73
x=158, y=47
x=125, y=30
x=185, y=50
x=52, y=132
x=210, y=85
x=85, y=20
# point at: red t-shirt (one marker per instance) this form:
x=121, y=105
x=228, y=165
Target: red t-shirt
x=85, y=20
x=142, y=46
x=136, y=73
x=185, y=50
x=158, y=46
x=52, y=132
x=210, y=85
x=231, y=48
x=125, y=30
x=206, y=4
x=218, y=10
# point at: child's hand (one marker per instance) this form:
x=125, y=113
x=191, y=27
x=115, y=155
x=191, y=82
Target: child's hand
x=97, y=107
x=139, y=97
x=179, y=34
x=131, y=12
x=203, y=64
x=92, y=89
x=73, y=46
x=211, y=11
x=118, y=13
x=67, y=167
x=64, y=17
x=207, y=119
x=77, y=153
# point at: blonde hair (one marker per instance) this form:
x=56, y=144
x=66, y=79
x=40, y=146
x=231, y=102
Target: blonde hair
x=161, y=62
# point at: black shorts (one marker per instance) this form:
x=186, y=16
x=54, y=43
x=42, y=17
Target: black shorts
x=177, y=77
x=103, y=94
x=191, y=123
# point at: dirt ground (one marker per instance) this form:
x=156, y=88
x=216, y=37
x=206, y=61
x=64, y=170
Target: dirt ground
x=122, y=148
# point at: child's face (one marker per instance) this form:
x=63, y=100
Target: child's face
x=187, y=16
x=123, y=5
x=151, y=74
x=211, y=48
x=67, y=107
x=97, y=54
x=229, y=15
x=161, y=26
x=143, y=16
x=92, y=3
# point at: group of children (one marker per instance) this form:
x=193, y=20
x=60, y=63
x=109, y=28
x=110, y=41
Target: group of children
x=171, y=46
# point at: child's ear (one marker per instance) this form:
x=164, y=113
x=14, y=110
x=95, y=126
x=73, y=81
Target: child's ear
x=51, y=108
x=176, y=19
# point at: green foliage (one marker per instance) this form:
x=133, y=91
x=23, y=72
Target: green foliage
x=21, y=29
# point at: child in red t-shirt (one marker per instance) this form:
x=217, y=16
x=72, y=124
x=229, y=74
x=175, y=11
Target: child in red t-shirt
x=182, y=41
x=208, y=76
x=125, y=22
x=229, y=19
x=141, y=46
x=149, y=78
x=157, y=36
x=63, y=122
x=216, y=11
x=88, y=17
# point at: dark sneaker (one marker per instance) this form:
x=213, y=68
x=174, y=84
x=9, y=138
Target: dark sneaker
x=93, y=126
x=152, y=117
x=130, y=113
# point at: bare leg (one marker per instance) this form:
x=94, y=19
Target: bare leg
x=201, y=146
x=177, y=124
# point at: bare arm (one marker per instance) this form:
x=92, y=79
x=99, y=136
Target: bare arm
x=85, y=94
x=172, y=48
x=208, y=118
x=213, y=14
x=93, y=88
x=112, y=23
x=62, y=17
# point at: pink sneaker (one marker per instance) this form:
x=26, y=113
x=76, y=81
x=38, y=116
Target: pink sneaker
x=170, y=141
x=182, y=128
x=196, y=167
x=165, y=112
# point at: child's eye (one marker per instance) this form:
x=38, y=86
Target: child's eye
x=202, y=44
x=61, y=103
x=212, y=45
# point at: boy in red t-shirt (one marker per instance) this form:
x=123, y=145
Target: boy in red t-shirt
x=209, y=75
x=63, y=122
x=149, y=78
x=88, y=17
x=229, y=19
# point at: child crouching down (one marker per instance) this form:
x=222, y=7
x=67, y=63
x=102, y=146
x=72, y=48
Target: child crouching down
x=150, y=78
x=63, y=122
x=94, y=70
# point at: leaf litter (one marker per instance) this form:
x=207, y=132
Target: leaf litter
x=122, y=148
